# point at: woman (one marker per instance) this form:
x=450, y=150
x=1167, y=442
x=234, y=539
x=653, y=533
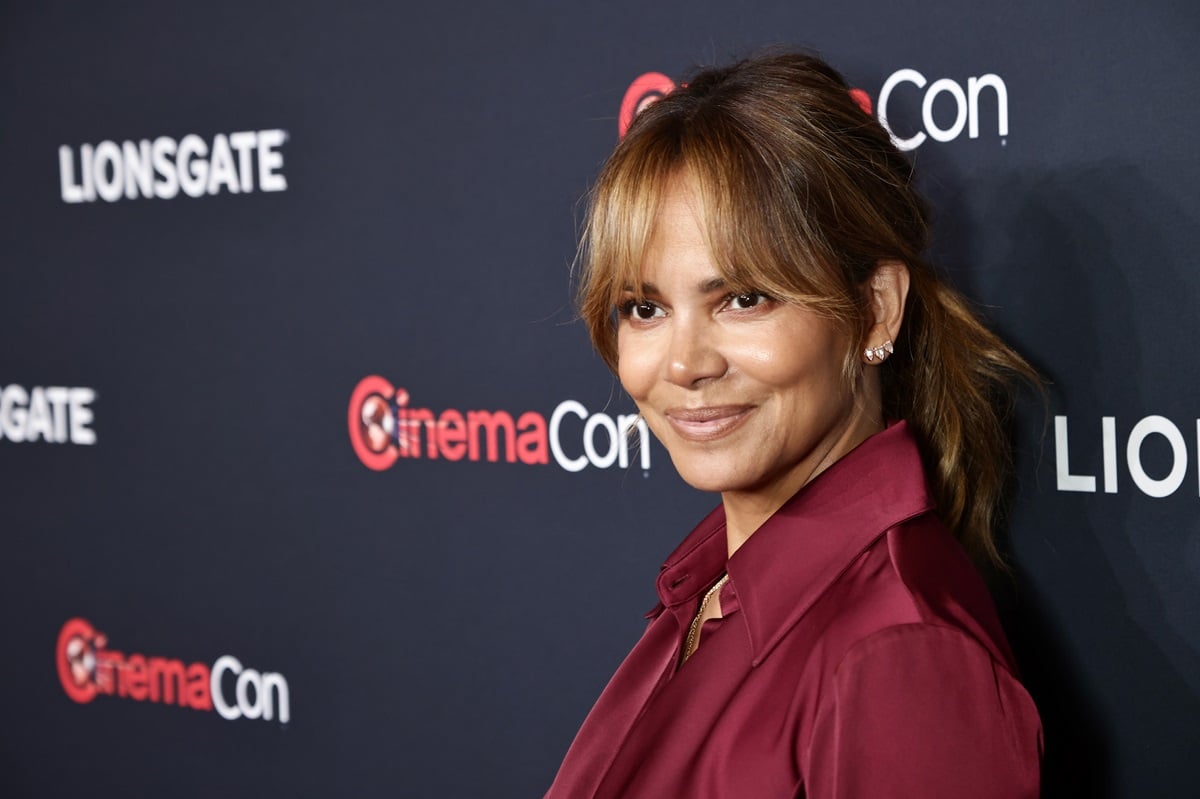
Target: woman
x=822, y=633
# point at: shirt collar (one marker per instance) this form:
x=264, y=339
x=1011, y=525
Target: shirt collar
x=804, y=546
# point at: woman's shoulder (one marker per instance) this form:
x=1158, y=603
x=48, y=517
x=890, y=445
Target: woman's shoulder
x=944, y=586
x=912, y=578
x=931, y=713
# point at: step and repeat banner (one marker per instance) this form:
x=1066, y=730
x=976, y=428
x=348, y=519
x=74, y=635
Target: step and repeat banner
x=310, y=485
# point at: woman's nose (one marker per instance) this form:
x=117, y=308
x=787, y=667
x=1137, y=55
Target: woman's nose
x=695, y=354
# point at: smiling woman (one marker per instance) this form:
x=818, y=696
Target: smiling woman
x=753, y=272
x=745, y=391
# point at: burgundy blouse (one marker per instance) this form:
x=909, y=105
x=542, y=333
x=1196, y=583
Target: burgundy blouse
x=859, y=656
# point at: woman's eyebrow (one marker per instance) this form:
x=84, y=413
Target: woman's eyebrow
x=646, y=288
x=706, y=287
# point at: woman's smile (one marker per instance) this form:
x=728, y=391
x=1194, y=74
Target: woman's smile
x=707, y=423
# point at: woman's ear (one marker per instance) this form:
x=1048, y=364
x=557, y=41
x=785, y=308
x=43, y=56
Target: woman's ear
x=887, y=291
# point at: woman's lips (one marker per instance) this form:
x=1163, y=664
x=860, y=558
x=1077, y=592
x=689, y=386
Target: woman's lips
x=708, y=423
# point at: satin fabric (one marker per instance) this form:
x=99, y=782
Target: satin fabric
x=859, y=656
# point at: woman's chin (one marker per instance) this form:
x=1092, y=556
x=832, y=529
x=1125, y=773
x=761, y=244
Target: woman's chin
x=710, y=479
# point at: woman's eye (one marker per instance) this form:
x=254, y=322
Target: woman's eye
x=747, y=300
x=640, y=310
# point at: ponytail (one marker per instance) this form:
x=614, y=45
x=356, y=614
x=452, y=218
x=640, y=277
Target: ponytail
x=955, y=383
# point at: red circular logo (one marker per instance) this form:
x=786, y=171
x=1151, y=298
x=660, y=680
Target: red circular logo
x=371, y=423
x=76, y=656
x=645, y=89
x=863, y=99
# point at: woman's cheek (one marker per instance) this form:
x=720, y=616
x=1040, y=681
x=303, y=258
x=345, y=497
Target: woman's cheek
x=633, y=381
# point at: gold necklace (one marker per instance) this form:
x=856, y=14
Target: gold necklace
x=689, y=646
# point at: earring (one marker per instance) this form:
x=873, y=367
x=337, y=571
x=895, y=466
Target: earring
x=879, y=353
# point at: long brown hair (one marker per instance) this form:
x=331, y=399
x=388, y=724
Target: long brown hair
x=804, y=195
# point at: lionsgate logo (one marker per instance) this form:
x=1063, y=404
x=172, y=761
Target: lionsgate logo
x=982, y=97
x=237, y=163
x=1148, y=433
x=88, y=668
x=54, y=414
x=385, y=426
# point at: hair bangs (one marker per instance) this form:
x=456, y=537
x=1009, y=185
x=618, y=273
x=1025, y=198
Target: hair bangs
x=755, y=244
x=621, y=216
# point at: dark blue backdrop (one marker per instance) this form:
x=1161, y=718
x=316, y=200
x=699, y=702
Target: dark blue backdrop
x=441, y=627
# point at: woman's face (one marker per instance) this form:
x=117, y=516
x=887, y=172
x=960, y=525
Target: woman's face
x=747, y=393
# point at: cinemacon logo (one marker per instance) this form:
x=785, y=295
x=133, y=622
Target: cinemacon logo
x=1144, y=430
x=88, y=668
x=385, y=427
x=908, y=85
x=237, y=163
